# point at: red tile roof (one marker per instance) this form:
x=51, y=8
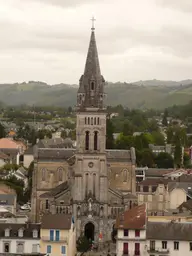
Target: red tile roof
x=134, y=218
x=8, y=143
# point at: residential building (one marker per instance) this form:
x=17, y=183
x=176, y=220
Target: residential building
x=19, y=239
x=89, y=181
x=138, y=236
x=161, y=194
x=131, y=232
x=153, y=192
x=13, y=149
x=8, y=198
x=173, y=239
x=58, y=235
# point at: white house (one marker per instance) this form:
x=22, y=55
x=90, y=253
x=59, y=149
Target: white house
x=20, y=238
x=137, y=236
x=131, y=232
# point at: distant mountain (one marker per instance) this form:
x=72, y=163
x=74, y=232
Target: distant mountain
x=155, y=82
x=142, y=94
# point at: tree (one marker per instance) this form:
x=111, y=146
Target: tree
x=146, y=158
x=63, y=134
x=2, y=131
x=153, y=126
x=186, y=160
x=178, y=153
x=127, y=128
x=124, y=142
x=83, y=244
x=164, y=121
x=158, y=138
x=109, y=134
x=164, y=160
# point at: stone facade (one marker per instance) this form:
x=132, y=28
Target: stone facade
x=92, y=183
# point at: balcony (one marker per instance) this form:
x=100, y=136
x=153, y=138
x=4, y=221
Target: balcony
x=158, y=250
x=61, y=239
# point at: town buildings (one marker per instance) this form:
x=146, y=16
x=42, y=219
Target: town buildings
x=19, y=239
x=58, y=235
x=137, y=235
x=89, y=182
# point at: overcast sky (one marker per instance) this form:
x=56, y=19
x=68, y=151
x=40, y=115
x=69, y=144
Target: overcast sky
x=47, y=40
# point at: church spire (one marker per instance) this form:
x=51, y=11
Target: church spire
x=91, y=91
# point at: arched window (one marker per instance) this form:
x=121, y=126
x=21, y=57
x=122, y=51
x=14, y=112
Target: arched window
x=125, y=175
x=92, y=86
x=43, y=174
x=98, y=120
x=86, y=140
x=85, y=120
x=60, y=173
x=91, y=120
x=88, y=120
x=95, y=140
x=95, y=120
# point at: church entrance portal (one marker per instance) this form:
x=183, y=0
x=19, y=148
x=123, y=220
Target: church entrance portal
x=89, y=231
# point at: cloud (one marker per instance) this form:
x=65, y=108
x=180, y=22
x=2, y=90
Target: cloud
x=41, y=41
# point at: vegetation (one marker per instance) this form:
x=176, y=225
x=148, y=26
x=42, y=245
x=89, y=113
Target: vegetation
x=134, y=95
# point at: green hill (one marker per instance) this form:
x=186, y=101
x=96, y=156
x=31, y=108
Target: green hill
x=147, y=95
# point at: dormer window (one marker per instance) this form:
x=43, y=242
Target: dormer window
x=7, y=232
x=92, y=86
x=35, y=233
x=20, y=232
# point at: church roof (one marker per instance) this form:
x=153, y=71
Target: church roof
x=115, y=154
x=55, y=191
x=55, y=153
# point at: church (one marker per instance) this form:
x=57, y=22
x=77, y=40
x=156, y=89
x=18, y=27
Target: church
x=93, y=183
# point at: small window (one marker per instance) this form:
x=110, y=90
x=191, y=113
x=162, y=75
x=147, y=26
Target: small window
x=125, y=176
x=85, y=120
x=20, y=248
x=92, y=86
x=91, y=120
x=60, y=173
x=137, y=233
x=88, y=120
x=35, y=233
x=48, y=248
x=63, y=250
x=164, y=244
x=47, y=204
x=95, y=120
x=7, y=232
x=57, y=235
x=145, y=189
x=6, y=247
x=35, y=248
x=190, y=246
x=126, y=232
x=43, y=174
x=20, y=233
x=176, y=246
x=98, y=121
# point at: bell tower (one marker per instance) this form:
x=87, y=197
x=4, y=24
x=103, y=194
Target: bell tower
x=90, y=189
x=91, y=115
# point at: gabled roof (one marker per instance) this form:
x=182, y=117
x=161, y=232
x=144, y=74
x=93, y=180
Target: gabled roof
x=55, y=153
x=56, y=221
x=134, y=218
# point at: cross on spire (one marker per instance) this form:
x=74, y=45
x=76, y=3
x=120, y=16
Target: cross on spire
x=93, y=23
